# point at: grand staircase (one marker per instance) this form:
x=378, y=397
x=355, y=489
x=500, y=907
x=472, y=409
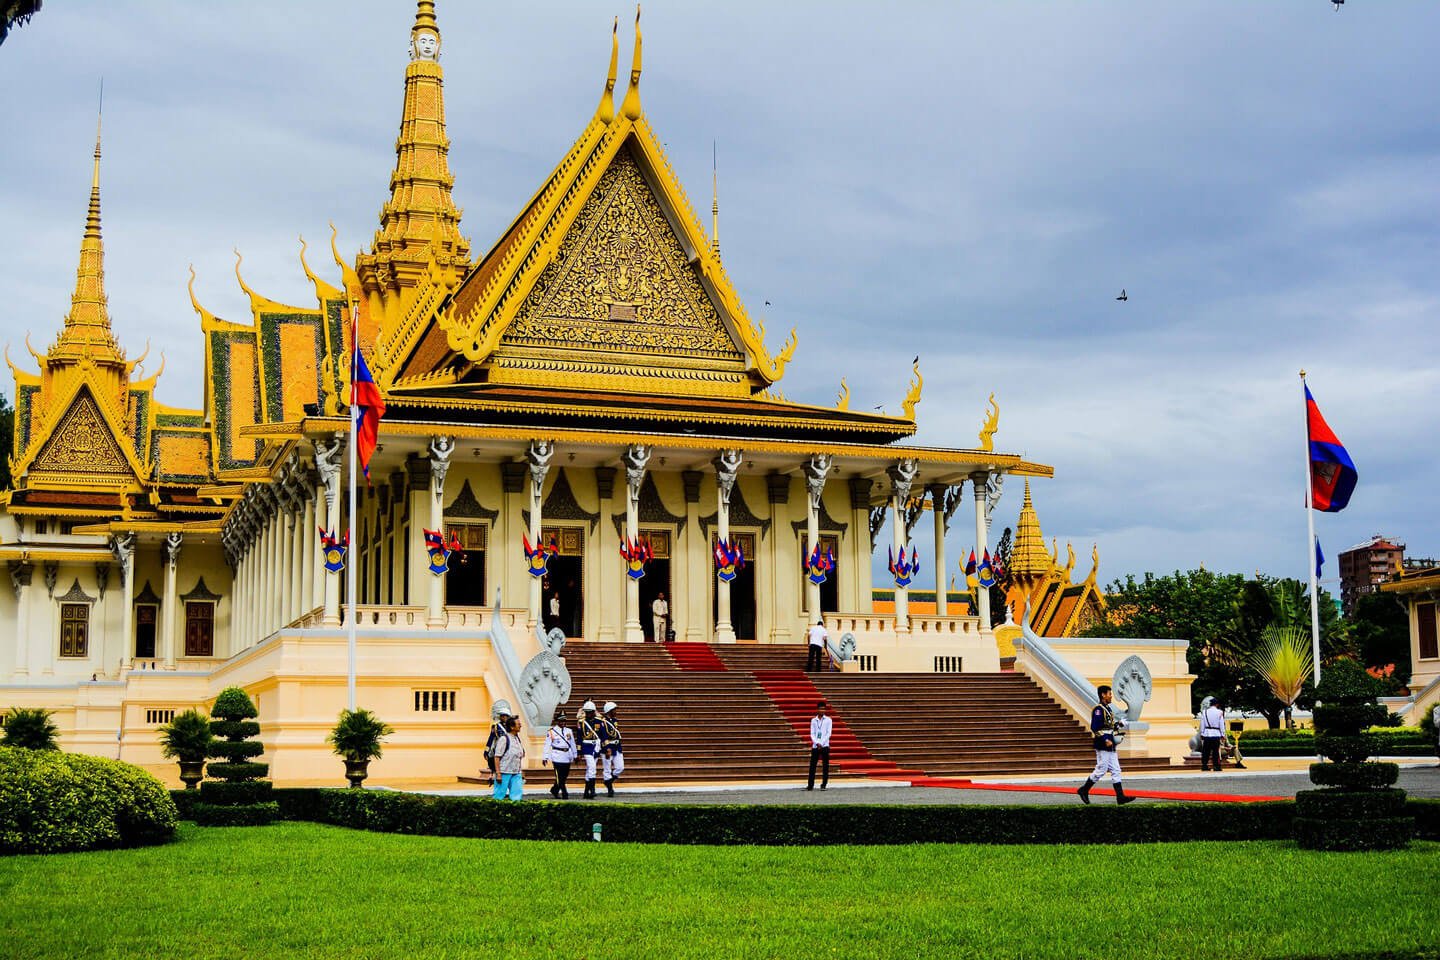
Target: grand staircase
x=694, y=712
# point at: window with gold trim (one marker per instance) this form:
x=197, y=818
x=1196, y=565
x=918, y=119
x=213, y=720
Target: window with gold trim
x=74, y=629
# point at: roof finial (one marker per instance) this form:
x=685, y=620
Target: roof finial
x=606, y=110
x=425, y=35
x=631, y=107
x=92, y=219
x=715, y=199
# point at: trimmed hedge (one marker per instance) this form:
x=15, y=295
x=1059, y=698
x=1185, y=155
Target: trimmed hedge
x=1372, y=833
x=1350, y=804
x=235, y=794
x=1354, y=776
x=518, y=821
x=249, y=815
x=52, y=802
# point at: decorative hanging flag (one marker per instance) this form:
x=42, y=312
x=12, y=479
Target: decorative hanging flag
x=728, y=559
x=1332, y=472
x=333, y=550
x=367, y=407
x=819, y=565
x=537, y=558
x=902, y=570
x=637, y=553
x=970, y=564
x=439, y=550
x=985, y=573
x=1319, y=559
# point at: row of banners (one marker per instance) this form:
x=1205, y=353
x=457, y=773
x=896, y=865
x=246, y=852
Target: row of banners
x=638, y=552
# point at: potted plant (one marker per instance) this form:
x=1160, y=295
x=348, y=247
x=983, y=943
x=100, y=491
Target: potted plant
x=357, y=737
x=187, y=738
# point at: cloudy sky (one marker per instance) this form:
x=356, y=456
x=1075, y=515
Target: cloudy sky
x=971, y=182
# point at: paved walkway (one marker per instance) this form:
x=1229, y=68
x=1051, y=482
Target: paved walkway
x=1419, y=779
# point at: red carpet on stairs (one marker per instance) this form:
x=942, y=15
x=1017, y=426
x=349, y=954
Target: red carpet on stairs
x=695, y=656
x=795, y=696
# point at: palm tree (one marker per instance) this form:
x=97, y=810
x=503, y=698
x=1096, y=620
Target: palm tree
x=1284, y=662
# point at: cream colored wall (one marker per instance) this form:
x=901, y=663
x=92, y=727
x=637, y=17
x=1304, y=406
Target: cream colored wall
x=1422, y=672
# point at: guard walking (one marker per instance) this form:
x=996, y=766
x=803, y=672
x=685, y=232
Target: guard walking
x=588, y=728
x=612, y=752
x=560, y=752
x=1108, y=728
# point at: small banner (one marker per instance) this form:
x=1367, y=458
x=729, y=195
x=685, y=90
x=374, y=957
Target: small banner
x=819, y=565
x=439, y=550
x=333, y=550
x=637, y=553
x=988, y=573
x=902, y=570
x=728, y=559
x=537, y=558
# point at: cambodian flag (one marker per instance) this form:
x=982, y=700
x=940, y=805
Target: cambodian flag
x=367, y=406
x=1332, y=472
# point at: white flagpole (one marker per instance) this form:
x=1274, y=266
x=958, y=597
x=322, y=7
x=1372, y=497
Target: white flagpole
x=1310, y=544
x=351, y=544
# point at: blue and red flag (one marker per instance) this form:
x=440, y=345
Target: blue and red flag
x=1332, y=472
x=367, y=406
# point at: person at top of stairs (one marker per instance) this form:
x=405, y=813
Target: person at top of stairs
x=611, y=751
x=817, y=636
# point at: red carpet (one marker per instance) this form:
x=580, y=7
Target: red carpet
x=695, y=656
x=1097, y=791
x=795, y=696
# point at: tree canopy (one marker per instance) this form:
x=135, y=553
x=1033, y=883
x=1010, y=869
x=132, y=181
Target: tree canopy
x=7, y=440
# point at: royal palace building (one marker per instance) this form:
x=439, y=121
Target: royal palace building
x=584, y=399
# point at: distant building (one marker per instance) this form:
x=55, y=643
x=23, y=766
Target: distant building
x=1364, y=567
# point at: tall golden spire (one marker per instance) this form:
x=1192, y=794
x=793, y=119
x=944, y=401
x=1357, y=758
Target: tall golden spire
x=87, y=325
x=630, y=109
x=606, y=110
x=420, y=184
x=1028, y=556
x=714, y=201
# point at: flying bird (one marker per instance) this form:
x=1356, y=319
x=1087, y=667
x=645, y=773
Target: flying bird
x=916, y=360
x=767, y=303
x=1123, y=295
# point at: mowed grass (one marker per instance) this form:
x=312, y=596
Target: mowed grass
x=302, y=890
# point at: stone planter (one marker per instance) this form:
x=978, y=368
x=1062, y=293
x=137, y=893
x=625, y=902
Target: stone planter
x=356, y=771
x=192, y=772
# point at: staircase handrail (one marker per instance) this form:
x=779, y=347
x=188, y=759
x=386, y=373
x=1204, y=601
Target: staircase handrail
x=509, y=661
x=1069, y=684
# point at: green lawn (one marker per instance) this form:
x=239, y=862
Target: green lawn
x=302, y=890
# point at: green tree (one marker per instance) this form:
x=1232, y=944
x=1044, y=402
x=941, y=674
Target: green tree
x=30, y=728
x=7, y=440
x=1380, y=633
x=1284, y=661
x=1001, y=557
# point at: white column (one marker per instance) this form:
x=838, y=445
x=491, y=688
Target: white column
x=607, y=554
x=305, y=563
x=982, y=594
x=327, y=462
x=537, y=459
x=902, y=476
x=727, y=469
x=20, y=576
x=636, y=458
x=440, y=450
x=172, y=559
x=123, y=548
x=694, y=559
x=942, y=500
x=817, y=468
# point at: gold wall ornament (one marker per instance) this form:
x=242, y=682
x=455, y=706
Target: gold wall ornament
x=912, y=397
x=991, y=424
x=842, y=402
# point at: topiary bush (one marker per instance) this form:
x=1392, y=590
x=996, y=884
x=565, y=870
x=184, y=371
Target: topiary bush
x=51, y=802
x=236, y=795
x=1357, y=807
x=30, y=728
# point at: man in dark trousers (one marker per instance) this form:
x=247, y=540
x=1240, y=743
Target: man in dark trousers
x=820, y=728
x=1107, y=727
x=1212, y=734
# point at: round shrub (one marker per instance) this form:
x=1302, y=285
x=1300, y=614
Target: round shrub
x=1354, y=776
x=1349, y=804
x=235, y=704
x=1345, y=748
x=1348, y=718
x=52, y=802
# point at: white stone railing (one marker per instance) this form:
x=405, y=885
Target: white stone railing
x=862, y=624
x=415, y=618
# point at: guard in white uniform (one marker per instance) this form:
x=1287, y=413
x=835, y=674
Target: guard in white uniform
x=612, y=753
x=1108, y=727
x=589, y=730
x=560, y=752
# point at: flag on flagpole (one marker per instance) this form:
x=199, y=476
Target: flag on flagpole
x=1319, y=559
x=1332, y=472
x=367, y=406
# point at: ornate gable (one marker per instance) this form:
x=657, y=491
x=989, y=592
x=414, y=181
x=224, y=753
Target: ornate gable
x=82, y=444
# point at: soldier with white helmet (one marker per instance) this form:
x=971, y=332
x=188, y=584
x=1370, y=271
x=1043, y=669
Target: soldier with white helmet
x=611, y=750
x=589, y=727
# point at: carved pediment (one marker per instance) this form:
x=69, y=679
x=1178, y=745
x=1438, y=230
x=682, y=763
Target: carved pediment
x=622, y=282
x=466, y=506
x=83, y=443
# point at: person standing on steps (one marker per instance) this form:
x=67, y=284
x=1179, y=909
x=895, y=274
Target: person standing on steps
x=660, y=613
x=1107, y=727
x=589, y=731
x=612, y=753
x=818, y=636
x=1212, y=734
x=820, y=728
x=560, y=751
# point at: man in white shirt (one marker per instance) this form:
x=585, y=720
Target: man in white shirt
x=818, y=636
x=820, y=727
x=660, y=611
x=554, y=610
x=1212, y=734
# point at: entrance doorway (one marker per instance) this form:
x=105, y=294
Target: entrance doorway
x=465, y=576
x=742, y=589
x=564, y=581
x=655, y=582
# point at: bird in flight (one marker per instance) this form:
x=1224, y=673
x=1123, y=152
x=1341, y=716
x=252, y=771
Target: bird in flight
x=767, y=303
x=916, y=360
x=1123, y=295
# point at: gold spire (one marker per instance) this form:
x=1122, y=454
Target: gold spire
x=1028, y=556
x=87, y=325
x=631, y=107
x=420, y=184
x=606, y=111
x=715, y=200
